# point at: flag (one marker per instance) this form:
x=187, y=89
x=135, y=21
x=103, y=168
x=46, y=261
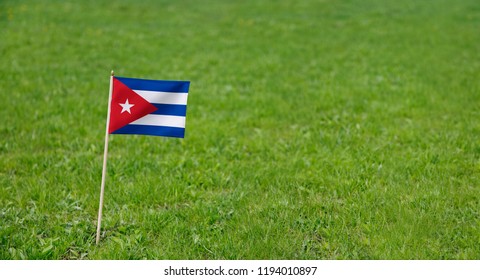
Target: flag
x=149, y=107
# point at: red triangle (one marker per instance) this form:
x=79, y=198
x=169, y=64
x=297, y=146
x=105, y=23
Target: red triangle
x=120, y=94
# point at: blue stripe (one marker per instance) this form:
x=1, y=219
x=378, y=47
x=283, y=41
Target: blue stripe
x=155, y=85
x=170, y=109
x=152, y=130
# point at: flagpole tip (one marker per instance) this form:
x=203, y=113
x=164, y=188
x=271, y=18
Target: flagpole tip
x=112, y=73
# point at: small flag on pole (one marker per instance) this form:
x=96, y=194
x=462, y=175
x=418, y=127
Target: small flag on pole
x=149, y=107
x=138, y=106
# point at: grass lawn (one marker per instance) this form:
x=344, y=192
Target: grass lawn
x=315, y=130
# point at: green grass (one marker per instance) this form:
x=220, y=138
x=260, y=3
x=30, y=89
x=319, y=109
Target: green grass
x=315, y=130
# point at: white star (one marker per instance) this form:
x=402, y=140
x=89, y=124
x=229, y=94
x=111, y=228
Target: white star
x=126, y=107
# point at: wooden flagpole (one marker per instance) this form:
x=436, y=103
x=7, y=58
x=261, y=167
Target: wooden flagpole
x=104, y=170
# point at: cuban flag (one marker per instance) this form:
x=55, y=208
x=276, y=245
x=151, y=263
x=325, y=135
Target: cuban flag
x=149, y=107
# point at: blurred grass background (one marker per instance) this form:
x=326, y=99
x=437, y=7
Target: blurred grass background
x=315, y=130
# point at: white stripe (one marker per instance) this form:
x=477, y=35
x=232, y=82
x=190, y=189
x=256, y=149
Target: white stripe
x=161, y=97
x=161, y=120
